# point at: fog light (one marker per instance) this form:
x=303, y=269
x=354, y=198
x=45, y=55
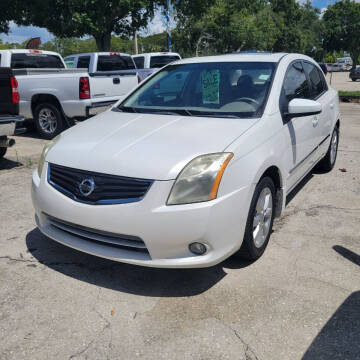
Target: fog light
x=197, y=248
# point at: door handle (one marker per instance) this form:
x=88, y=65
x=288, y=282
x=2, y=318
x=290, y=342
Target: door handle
x=331, y=106
x=315, y=121
x=116, y=80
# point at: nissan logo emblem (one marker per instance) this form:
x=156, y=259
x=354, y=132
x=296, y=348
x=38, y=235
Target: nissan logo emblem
x=87, y=186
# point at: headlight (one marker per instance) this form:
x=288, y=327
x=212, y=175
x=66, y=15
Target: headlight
x=46, y=149
x=199, y=180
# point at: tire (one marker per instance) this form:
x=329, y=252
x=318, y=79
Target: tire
x=49, y=121
x=353, y=79
x=328, y=161
x=2, y=152
x=257, y=237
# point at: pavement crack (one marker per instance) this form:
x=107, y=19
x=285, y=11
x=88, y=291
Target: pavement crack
x=249, y=353
x=7, y=257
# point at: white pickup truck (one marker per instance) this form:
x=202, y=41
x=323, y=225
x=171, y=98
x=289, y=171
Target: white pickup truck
x=150, y=62
x=53, y=95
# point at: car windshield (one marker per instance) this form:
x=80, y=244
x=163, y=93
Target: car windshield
x=224, y=89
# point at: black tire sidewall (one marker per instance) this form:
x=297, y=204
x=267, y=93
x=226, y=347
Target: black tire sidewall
x=59, y=119
x=248, y=248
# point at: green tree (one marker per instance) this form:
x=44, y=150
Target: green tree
x=342, y=28
x=98, y=18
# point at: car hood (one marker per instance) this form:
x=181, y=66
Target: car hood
x=149, y=146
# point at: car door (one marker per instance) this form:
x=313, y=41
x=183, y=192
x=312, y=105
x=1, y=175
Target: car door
x=321, y=94
x=300, y=133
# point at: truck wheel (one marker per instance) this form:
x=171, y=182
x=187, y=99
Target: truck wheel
x=353, y=79
x=2, y=152
x=49, y=120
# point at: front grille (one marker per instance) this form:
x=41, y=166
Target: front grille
x=127, y=242
x=107, y=189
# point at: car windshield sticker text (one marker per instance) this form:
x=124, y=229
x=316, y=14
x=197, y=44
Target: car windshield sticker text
x=210, y=80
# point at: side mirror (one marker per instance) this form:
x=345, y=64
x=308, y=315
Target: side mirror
x=303, y=107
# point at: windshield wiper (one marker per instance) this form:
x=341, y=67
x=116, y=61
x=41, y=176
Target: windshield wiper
x=125, y=109
x=210, y=114
x=172, y=112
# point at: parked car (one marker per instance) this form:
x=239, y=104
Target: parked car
x=343, y=64
x=355, y=74
x=52, y=96
x=193, y=165
x=10, y=121
x=150, y=62
x=329, y=67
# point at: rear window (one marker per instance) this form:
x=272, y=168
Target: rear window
x=35, y=61
x=69, y=62
x=83, y=62
x=160, y=61
x=139, y=62
x=114, y=62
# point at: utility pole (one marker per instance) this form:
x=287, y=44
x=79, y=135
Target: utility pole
x=168, y=25
x=136, y=50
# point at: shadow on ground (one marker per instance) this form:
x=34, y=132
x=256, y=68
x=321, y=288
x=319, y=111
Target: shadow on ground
x=123, y=277
x=302, y=183
x=340, y=337
x=6, y=164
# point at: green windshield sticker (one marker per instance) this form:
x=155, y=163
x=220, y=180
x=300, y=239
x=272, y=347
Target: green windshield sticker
x=210, y=80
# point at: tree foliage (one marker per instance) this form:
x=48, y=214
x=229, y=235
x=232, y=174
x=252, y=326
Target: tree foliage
x=223, y=26
x=98, y=18
x=342, y=28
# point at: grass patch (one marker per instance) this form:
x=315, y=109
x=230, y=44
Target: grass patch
x=349, y=93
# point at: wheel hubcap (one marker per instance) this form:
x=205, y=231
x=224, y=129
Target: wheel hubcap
x=47, y=120
x=262, y=217
x=333, y=147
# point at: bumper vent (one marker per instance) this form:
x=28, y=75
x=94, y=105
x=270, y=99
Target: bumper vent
x=126, y=242
x=95, y=188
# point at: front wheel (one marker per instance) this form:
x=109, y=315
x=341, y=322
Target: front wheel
x=328, y=162
x=260, y=220
x=49, y=120
x=353, y=79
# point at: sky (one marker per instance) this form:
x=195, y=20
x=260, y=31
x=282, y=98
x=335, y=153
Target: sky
x=21, y=33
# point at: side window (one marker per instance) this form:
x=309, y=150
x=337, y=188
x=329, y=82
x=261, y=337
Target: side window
x=295, y=83
x=83, y=62
x=139, y=61
x=69, y=62
x=318, y=84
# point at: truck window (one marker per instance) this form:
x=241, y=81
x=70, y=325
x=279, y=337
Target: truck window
x=83, y=62
x=160, y=61
x=69, y=62
x=114, y=62
x=139, y=61
x=35, y=61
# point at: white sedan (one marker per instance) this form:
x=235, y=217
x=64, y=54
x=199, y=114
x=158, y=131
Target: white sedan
x=193, y=165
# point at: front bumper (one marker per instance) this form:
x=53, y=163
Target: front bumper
x=166, y=231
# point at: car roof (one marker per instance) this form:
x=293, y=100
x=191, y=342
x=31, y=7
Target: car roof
x=99, y=53
x=26, y=51
x=245, y=57
x=162, y=53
